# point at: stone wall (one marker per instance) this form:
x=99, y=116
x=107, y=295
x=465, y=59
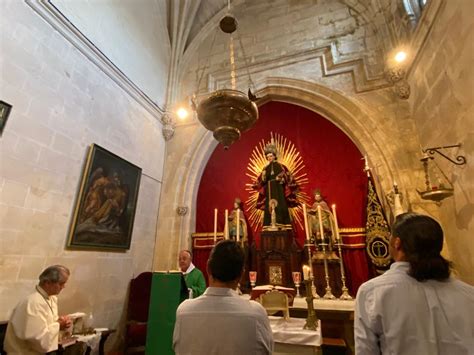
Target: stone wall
x=132, y=34
x=442, y=105
x=61, y=104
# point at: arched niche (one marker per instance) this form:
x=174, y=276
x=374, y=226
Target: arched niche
x=183, y=170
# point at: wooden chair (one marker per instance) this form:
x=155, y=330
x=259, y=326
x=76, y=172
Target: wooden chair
x=137, y=313
x=274, y=301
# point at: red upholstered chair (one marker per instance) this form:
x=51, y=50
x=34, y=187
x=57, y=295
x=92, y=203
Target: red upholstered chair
x=137, y=313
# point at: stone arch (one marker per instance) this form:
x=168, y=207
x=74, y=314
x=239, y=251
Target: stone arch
x=356, y=121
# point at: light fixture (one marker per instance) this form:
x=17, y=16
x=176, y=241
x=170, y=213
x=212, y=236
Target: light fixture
x=182, y=113
x=400, y=56
x=396, y=74
x=227, y=112
x=437, y=185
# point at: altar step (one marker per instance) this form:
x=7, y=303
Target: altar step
x=334, y=346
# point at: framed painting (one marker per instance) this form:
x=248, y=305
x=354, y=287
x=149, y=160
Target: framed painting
x=4, y=113
x=106, y=204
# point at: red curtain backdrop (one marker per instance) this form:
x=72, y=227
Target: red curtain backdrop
x=332, y=163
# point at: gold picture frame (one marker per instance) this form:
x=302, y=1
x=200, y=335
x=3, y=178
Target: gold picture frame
x=106, y=203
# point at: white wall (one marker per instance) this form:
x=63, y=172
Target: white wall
x=61, y=104
x=131, y=33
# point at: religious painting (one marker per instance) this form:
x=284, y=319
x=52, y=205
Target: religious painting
x=106, y=203
x=4, y=113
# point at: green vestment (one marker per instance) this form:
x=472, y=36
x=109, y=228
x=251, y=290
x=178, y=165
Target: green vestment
x=195, y=281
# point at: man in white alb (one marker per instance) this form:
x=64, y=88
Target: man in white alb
x=220, y=322
x=415, y=308
x=34, y=325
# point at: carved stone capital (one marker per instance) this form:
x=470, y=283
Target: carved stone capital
x=402, y=89
x=168, y=126
x=394, y=75
x=182, y=210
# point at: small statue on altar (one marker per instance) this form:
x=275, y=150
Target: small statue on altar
x=329, y=230
x=277, y=192
x=242, y=228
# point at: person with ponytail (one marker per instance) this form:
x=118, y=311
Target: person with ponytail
x=416, y=307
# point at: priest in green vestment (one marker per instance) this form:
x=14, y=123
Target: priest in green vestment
x=192, y=275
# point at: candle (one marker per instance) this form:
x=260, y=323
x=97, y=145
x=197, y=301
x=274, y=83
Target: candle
x=335, y=221
x=321, y=230
x=306, y=272
x=305, y=222
x=226, y=225
x=238, y=224
x=215, y=225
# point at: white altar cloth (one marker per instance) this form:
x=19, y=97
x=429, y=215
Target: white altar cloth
x=291, y=332
x=290, y=337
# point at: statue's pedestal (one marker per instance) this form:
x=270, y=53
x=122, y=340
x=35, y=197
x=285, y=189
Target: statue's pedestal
x=277, y=257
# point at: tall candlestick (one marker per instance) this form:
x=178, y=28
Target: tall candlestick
x=306, y=272
x=305, y=222
x=345, y=291
x=328, y=294
x=215, y=226
x=238, y=224
x=226, y=225
x=335, y=222
x=321, y=230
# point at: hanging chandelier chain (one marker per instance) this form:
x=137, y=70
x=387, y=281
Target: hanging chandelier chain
x=232, y=62
x=208, y=62
x=246, y=63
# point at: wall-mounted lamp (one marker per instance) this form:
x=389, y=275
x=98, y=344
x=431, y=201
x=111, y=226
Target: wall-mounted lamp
x=396, y=74
x=442, y=187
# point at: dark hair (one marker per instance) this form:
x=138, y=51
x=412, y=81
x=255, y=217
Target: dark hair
x=53, y=274
x=421, y=241
x=226, y=261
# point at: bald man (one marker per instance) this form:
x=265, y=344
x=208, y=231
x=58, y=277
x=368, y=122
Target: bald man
x=192, y=275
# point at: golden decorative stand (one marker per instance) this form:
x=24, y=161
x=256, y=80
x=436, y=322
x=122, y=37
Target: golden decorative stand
x=311, y=320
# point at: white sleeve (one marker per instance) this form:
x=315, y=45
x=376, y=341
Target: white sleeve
x=365, y=336
x=30, y=323
x=264, y=331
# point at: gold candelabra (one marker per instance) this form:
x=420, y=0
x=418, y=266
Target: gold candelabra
x=311, y=277
x=345, y=291
x=311, y=320
x=328, y=295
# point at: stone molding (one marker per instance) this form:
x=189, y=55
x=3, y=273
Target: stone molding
x=329, y=67
x=60, y=23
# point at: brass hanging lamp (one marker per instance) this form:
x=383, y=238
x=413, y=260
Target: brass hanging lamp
x=228, y=112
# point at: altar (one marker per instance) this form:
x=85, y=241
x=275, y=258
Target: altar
x=336, y=319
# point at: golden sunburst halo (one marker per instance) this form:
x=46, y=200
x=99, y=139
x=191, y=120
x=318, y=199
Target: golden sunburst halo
x=289, y=156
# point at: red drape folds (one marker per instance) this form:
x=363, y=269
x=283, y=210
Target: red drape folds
x=332, y=163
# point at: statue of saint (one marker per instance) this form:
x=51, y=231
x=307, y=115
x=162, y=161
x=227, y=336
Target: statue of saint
x=277, y=192
x=328, y=224
x=243, y=232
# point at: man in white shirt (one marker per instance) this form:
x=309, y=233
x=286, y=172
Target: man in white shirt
x=34, y=324
x=220, y=322
x=415, y=308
